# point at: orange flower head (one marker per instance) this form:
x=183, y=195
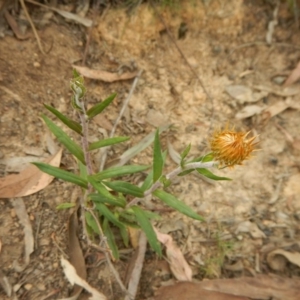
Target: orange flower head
x=231, y=148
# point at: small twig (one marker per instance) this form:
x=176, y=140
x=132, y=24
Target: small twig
x=32, y=26
x=137, y=270
x=172, y=175
x=125, y=104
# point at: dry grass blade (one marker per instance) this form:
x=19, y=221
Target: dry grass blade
x=29, y=181
x=21, y=212
x=137, y=269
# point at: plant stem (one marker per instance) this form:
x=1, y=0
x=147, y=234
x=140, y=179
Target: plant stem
x=172, y=175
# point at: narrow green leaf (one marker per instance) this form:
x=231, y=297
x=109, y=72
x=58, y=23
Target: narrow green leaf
x=210, y=175
x=108, y=142
x=124, y=235
x=108, y=214
x=128, y=216
x=185, y=153
x=110, y=239
x=205, y=158
x=147, y=228
x=119, y=171
x=157, y=158
x=125, y=188
x=65, y=139
x=61, y=174
x=91, y=222
x=70, y=123
x=65, y=205
x=102, y=199
x=148, y=181
x=99, y=107
x=100, y=188
x=139, y=147
x=82, y=170
x=173, y=202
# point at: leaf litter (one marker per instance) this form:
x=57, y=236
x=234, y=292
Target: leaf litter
x=28, y=181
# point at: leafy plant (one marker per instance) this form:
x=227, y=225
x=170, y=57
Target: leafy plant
x=110, y=202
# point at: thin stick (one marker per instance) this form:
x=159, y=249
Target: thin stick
x=32, y=26
x=172, y=175
x=137, y=270
x=125, y=104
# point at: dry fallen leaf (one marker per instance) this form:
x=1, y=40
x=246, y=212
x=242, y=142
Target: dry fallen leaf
x=294, y=76
x=75, y=252
x=73, y=278
x=104, y=75
x=277, y=259
x=29, y=181
x=249, y=111
x=192, y=291
x=263, y=287
x=245, y=94
x=178, y=265
x=279, y=91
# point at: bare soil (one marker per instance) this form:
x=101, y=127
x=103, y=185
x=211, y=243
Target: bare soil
x=225, y=44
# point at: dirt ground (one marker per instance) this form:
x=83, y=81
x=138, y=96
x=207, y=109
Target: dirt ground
x=225, y=43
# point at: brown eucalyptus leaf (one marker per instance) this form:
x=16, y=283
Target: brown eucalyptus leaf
x=29, y=181
x=178, y=265
x=104, y=75
x=75, y=252
x=192, y=291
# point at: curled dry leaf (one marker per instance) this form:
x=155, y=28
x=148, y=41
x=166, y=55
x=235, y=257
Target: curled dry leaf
x=104, y=75
x=277, y=259
x=178, y=265
x=73, y=278
x=29, y=181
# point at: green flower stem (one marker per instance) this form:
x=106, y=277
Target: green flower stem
x=172, y=175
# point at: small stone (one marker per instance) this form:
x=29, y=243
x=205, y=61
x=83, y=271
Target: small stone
x=36, y=64
x=28, y=286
